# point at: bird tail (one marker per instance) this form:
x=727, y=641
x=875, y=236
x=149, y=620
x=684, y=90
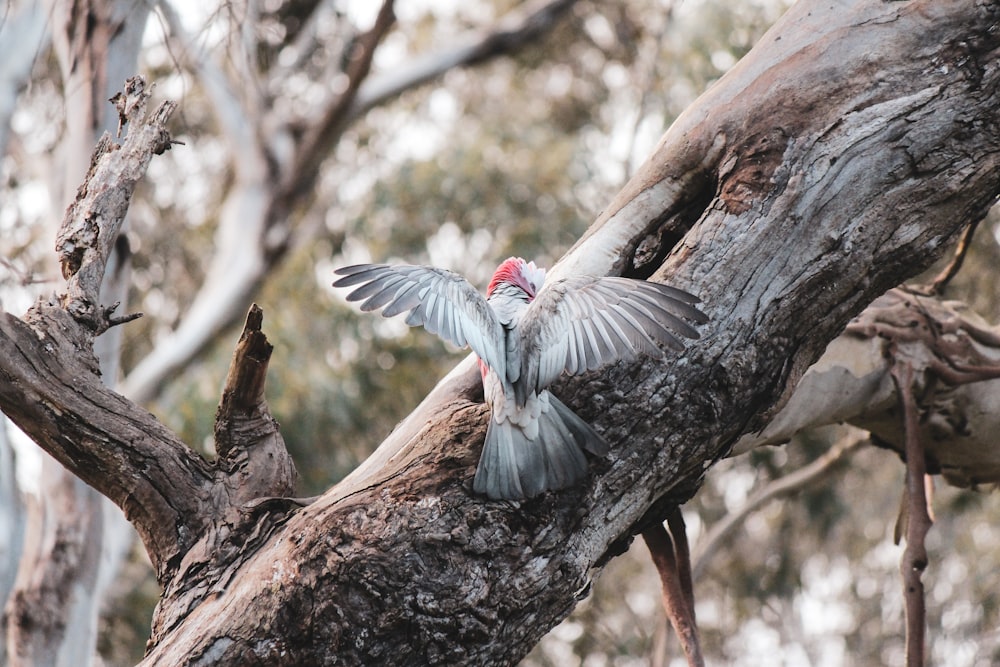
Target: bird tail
x=514, y=466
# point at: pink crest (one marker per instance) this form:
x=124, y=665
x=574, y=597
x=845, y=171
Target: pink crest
x=515, y=271
x=509, y=271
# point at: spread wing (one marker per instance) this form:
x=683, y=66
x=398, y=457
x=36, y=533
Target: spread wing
x=580, y=324
x=442, y=301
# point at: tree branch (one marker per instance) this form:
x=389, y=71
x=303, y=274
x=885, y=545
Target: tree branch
x=246, y=436
x=521, y=27
x=941, y=281
x=845, y=100
x=784, y=486
x=918, y=521
x=51, y=384
x=672, y=560
x=90, y=230
x=53, y=393
x=321, y=136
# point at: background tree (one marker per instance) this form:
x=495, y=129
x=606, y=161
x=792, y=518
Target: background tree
x=472, y=211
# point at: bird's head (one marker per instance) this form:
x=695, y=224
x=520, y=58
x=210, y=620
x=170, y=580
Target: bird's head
x=515, y=271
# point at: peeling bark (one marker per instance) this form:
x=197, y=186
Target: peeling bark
x=835, y=161
x=955, y=356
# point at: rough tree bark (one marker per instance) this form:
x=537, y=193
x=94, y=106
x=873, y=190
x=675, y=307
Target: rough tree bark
x=834, y=161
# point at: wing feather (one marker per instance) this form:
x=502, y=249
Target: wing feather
x=631, y=329
x=372, y=290
x=407, y=297
x=593, y=349
x=441, y=301
x=358, y=273
x=580, y=324
x=612, y=348
x=623, y=342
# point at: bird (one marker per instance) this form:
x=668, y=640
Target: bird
x=526, y=334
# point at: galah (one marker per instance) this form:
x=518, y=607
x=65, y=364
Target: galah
x=526, y=336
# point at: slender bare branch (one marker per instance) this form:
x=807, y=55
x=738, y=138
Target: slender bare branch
x=673, y=562
x=324, y=134
x=522, y=26
x=918, y=521
x=784, y=486
x=942, y=279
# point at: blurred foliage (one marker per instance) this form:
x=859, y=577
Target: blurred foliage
x=513, y=157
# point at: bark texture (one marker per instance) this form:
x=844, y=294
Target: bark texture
x=955, y=357
x=833, y=162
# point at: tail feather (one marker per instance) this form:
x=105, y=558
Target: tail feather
x=584, y=434
x=513, y=466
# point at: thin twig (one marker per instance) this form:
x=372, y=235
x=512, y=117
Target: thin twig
x=678, y=600
x=784, y=486
x=918, y=522
x=942, y=279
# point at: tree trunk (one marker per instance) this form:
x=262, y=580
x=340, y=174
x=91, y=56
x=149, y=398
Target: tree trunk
x=834, y=161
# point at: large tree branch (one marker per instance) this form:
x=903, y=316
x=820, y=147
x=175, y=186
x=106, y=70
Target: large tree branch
x=834, y=161
x=180, y=504
x=52, y=387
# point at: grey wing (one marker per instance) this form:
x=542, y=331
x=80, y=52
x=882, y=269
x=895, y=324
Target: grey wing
x=441, y=301
x=581, y=324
